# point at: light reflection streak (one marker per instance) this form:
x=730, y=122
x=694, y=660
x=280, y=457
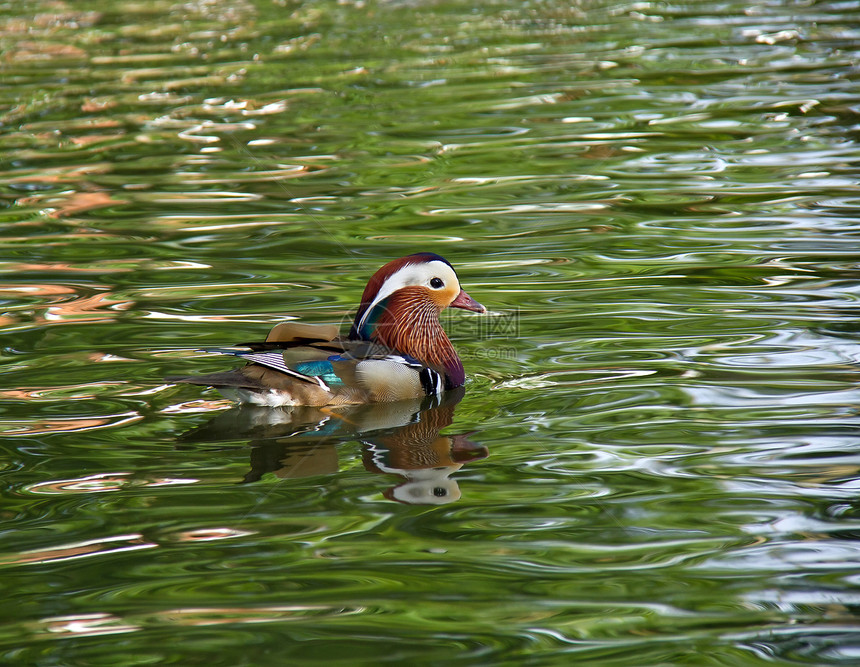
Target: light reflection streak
x=547, y=379
x=100, y=483
x=219, y=289
x=173, y=481
x=199, y=616
x=31, y=393
x=267, y=109
x=101, y=357
x=97, y=483
x=15, y=429
x=76, y=550
x=87, y=625
x=558, y=207
x=212, y=534
x=234, y=225
x=204, y=197
x=117, y=544
x=196, y=406
x=95, y=624
x=81, y=309
x=157, y=315
x=41, y=290
x=152, y=391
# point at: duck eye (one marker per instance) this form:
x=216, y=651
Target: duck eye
x=436, y=283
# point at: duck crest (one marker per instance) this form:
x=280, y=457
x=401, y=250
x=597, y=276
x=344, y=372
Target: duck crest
x=364, y=320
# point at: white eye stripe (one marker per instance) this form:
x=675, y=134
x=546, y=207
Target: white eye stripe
x=410, y=275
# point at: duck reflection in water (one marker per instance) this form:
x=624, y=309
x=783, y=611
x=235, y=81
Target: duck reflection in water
x=400, y=438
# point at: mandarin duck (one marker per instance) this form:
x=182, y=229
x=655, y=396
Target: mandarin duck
x=396, y=348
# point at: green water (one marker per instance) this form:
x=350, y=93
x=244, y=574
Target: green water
x=656, y=458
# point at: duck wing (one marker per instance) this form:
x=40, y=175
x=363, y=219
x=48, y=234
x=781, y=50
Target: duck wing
x=313, y=366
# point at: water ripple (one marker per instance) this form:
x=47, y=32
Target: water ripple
x=657, y=202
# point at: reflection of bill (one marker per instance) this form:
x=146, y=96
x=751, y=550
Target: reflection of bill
x=428, y=485
x=425, y=458
x=401, y=438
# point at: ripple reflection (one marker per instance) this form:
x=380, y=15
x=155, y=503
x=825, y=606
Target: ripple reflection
x=401, y=438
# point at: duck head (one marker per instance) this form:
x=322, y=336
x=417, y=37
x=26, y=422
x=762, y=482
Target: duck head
x=400, y=309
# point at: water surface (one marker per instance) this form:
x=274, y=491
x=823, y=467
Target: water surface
x=656, y=457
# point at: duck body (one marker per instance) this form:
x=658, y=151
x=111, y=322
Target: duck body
x=396, y=348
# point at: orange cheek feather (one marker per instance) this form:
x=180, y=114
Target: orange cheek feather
x=443, y=298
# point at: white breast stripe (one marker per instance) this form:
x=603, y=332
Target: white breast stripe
x=431, y=381
x=402, y=360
